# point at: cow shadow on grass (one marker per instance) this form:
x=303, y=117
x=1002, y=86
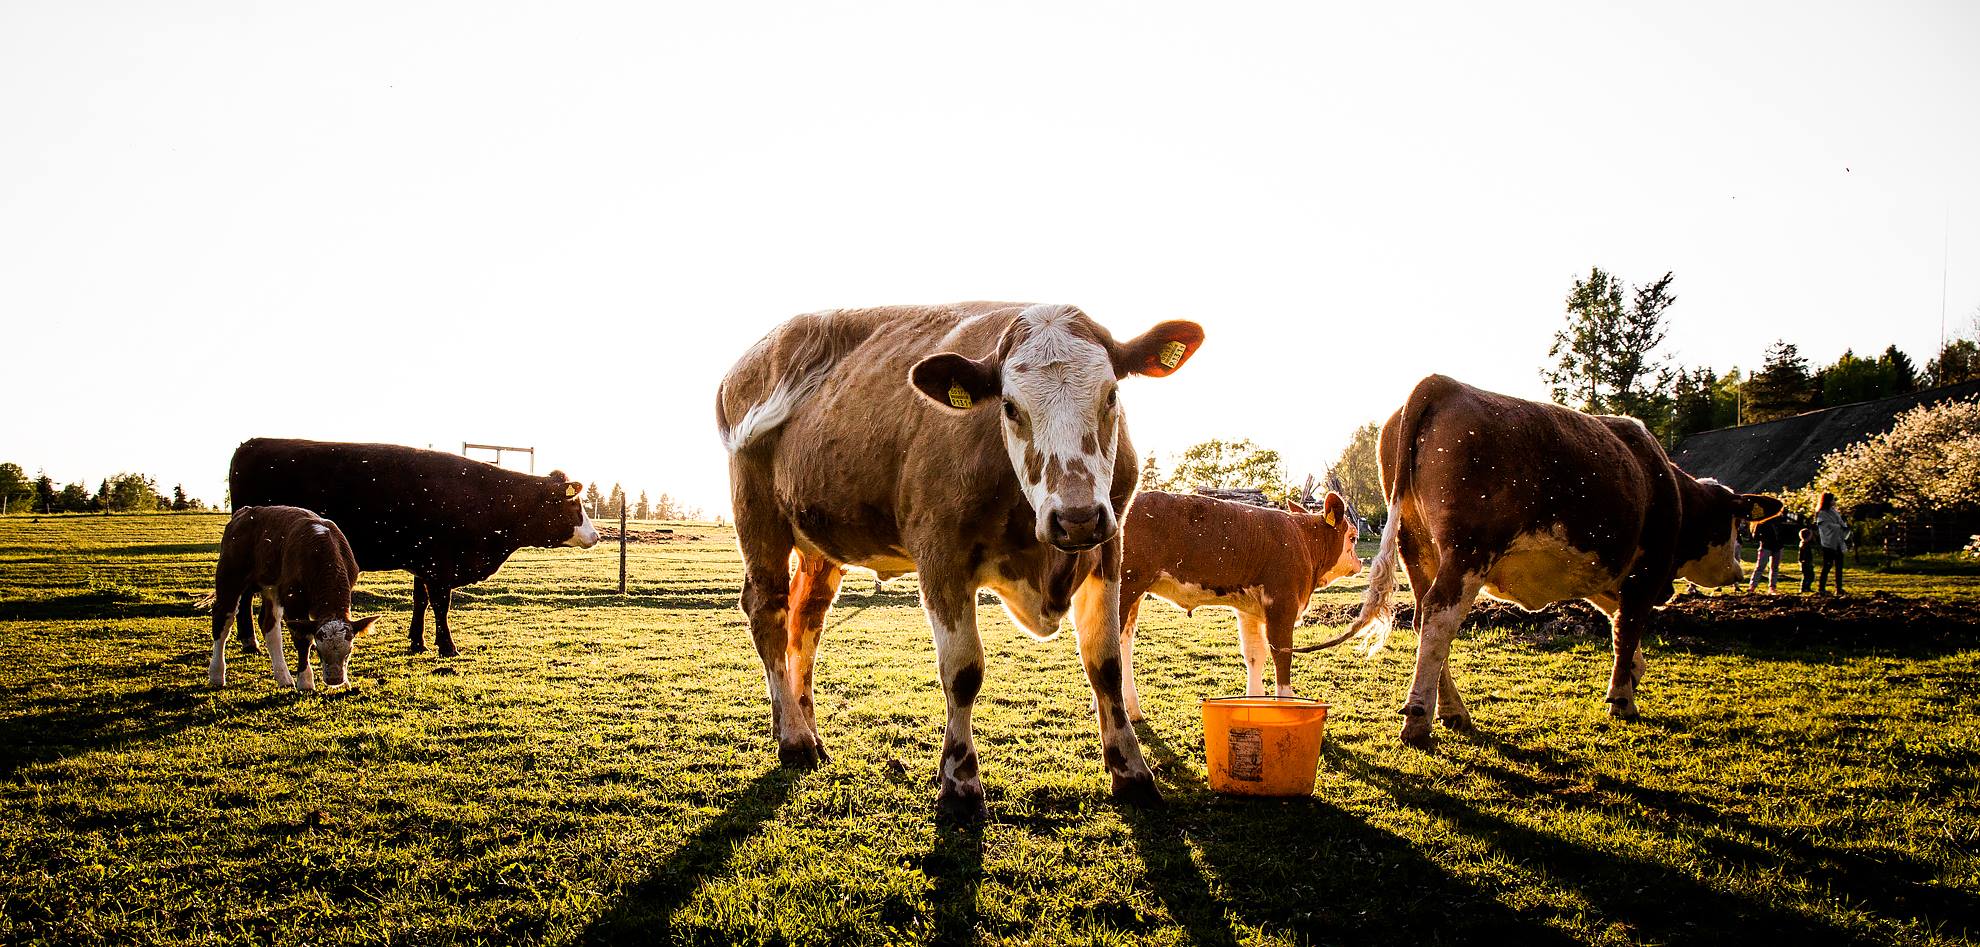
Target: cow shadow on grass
x=1892, y=883
x=955, y=867
x=644, y=911
x=1658, y=902
x=1221, y=865
x=60, y=727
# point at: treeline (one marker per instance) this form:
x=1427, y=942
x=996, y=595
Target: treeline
x=1606, y=361
x=123, y=493
x=603, y=506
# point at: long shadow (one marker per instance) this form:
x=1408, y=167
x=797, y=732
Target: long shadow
x=955, y=865
x=155, y=549
x=97, y=721
x=94, y=604
x=1660, y=902
x=644, y=911
x=1894, y=883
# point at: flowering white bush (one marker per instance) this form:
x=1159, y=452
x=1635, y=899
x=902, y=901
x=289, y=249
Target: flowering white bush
x=1930, y=460
x=1973, y=548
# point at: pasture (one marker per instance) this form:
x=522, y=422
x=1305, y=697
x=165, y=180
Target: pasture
x=598, y=769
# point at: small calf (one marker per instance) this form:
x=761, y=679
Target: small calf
x=304, y=570
x=1265, y=564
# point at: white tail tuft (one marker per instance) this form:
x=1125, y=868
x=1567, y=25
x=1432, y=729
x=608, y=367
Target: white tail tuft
x=811, y=363
x=206, y=604
x=1371, y=628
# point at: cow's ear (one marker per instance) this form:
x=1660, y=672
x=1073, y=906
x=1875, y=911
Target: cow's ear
x=955, y=382
x=1292, y=506
x=1759, y=507
x=358, y=627
x=1334, y=508
x=1159, y=351
x=572, y=489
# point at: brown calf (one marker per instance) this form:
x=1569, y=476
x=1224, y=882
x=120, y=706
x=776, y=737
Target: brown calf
x=304, y=570
x=1264, y=564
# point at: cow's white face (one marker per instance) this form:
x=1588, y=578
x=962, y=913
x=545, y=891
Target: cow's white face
x=1056, y=380
x=1719, y=566
x=333, y=642
x=1715, y=512
x=585, y=535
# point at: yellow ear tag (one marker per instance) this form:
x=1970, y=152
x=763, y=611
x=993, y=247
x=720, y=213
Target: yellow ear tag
x=1172, y=353
x=1333, y=520
x=958, y=397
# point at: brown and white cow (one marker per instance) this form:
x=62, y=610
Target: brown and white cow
x=1532, y=504
x=982, y=445
x=1264, y=564
x=304, y=570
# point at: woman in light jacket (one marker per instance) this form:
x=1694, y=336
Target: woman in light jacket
x=1833, y=534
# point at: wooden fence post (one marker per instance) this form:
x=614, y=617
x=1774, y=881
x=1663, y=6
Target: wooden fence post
x=622, y=545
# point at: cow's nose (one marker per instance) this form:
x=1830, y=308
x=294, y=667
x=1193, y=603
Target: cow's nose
x=1078, y=527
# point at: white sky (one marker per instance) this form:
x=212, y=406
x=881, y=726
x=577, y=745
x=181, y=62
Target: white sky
x=559, y=224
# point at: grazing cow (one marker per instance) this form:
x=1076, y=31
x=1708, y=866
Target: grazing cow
x=982, y=445
x=448, y=520
x=303, y=568
x=1532, y=504
x=1264, y=564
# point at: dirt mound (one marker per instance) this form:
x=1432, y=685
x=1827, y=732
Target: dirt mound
x=1784, y=619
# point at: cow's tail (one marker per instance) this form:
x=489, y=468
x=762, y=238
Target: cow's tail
x=206, y=604
x=810, y=361
x=1378, y=611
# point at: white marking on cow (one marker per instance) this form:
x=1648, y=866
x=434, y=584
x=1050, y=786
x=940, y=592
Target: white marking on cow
x=585, y=535
x=319, y=529
x=1058, y=380
x=1719, y=566
x=770, y=413
x=216, y=669
x=1538, y=569
x=277, y=661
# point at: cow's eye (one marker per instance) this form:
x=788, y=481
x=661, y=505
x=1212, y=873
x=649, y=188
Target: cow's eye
x=1010, y=411
x=1113, y=396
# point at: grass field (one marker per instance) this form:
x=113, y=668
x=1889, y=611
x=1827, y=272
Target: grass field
x=597, y=769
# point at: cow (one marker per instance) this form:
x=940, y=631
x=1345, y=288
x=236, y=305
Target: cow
x=302, y=566
x=1533, y=504
x=448, y=520
x=1264, y=564
x=982, y=445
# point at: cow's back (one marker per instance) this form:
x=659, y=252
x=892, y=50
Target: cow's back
x=1209, y=542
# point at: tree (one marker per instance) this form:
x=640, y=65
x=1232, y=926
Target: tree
x=1359, y=471
x=593, y=501
x=617, y=503
x=663, y=509
x=45, y=493
x=16, y=490
x=1694, y=403
x=644, y=510
x=1782, y=387
x=1929, y=460
x=1604, y=359
x=1227, y=464
x=1151, y=475
x=1900, y=375
x=1958, y=361
x=74, y=499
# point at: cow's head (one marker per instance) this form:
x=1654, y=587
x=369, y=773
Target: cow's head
x=557, y=516
x=1708, y=534
x=1054, y=379
x=333, y=641
x=1330, y=537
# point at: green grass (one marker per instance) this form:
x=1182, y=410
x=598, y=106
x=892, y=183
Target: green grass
x=599, y=770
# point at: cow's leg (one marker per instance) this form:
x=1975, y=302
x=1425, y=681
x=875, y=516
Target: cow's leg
x=305, y=671
x=244, y=620
x=1252, y=643
x=1130, y=618
x=1630, y=622
x=271, y=632
x=229, y=600
x=1438, y=615
x=442, y=596
x=1280, y=617
x=1097, y=619
x=951, y=607
x=812, y=591
x=417, y=632
x=1450, y=705
x=765, y=540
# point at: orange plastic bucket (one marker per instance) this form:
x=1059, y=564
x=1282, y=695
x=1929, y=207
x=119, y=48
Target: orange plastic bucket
x=1263, y=746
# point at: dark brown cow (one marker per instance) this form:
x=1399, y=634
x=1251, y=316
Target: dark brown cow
x=981, y=445
x=1534, y=503
x=1264, y=564
x=304, y=570
x=448, y=520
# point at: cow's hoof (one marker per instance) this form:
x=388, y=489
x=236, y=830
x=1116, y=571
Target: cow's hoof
x=959, y=806
x=447, y=650
x=218, y=678
x=418, y=647
x=1623, y=709
x=1137, y=790
x=808, y=755
x=1461, y=723
x=1417, y=733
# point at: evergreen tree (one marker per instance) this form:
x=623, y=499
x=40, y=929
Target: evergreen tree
x=593, y=501
x=179, y=501
x=1900, y=375
x=1694, y=403
x=45, y=492
x=1604, y=359
x=617, y=504
x=1958, y=361
x=1151, y=475
x=1782, y=387
x=645, y=509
